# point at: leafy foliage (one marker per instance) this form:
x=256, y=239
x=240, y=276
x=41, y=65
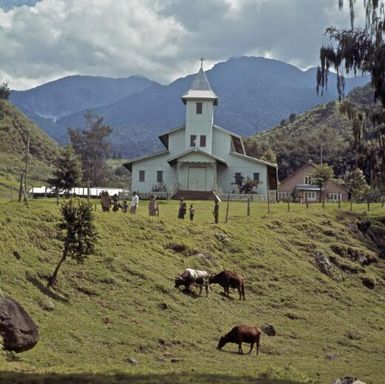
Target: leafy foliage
x=361, y=50
x=93, y=147
x=4, y=91
x=80, y=233
x=322, y=175
x=67, y=171
x=356, y=184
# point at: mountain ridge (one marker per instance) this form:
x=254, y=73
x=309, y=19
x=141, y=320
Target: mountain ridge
x=255, y=93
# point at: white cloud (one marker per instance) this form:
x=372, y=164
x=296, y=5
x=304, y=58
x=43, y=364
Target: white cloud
x=160, y=39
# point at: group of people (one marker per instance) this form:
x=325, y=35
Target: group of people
x=153, y=207
x=183, y=209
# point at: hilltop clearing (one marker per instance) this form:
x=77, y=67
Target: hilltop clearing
x=121, y=308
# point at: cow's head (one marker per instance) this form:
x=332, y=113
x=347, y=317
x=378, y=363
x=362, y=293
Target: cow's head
x=179, y=281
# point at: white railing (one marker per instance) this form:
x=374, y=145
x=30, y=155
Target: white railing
x=158, y=195
x=245, y=196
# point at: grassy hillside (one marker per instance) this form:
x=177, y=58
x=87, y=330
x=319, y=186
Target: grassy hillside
x=14, y=128
x=299, y=139
x=121, y=304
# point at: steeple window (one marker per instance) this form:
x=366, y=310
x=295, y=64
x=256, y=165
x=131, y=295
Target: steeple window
x=202, y=141
x=193, y=139
x=199, y=108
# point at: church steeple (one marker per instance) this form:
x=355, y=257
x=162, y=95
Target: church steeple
x=200, y=88
x=200, y=101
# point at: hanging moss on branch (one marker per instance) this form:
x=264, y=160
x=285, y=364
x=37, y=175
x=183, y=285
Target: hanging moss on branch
x=350, y=51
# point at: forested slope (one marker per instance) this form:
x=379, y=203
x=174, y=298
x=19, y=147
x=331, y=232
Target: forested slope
x=301, y=138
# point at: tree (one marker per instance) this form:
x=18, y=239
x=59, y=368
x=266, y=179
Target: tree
x=4, y=91
x=67, y=171
x=323, y=174
x=361, y=49
x=80, y=234
x=269, y=156
x=93, y=147
x=356, y=184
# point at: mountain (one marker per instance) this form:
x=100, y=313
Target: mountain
x=14, y=128
x=254, y=94
x=75, y=93
x=298, y=139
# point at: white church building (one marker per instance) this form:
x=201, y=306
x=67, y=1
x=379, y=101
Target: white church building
x=200, y=156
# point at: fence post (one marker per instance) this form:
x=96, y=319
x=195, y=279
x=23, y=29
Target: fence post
x=351, y=203
x=268, y=202
x=307, y=203
x=21, y=187
x=339, y=201
x=248, y=206
x=227, y=207
x=288, y=205
x=368, y=205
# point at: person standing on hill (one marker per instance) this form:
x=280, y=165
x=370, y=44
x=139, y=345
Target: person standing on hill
x=182, y=208
x=134, y=203
x=153, y=209
x=216, y=211
x=192, y=212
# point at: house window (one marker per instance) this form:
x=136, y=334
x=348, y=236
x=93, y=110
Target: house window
x=202, y=141
x=193, y=139
x=199, y=108
x=159, y=176
x=336, y=196
x=310, y=196
x=256, y=176
x=142, y=174
x=284, y=196
x=238, y=178
x=308, y=180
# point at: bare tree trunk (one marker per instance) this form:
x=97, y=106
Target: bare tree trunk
x=52, y=282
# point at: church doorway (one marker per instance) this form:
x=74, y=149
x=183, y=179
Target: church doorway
x=197, y=179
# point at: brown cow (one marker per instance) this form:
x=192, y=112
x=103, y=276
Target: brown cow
x=229, y=279
x=245, y=334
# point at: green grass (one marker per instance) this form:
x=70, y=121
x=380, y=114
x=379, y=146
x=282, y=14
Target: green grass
x=122, y=302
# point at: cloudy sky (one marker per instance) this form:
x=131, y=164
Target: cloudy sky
x=42, y=40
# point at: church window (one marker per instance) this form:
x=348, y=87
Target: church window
x=308, y=180
x=256, y=176
x=193, y=139
x=203, y=141
x=199, y=108
x=142, y=174
x=159, y=176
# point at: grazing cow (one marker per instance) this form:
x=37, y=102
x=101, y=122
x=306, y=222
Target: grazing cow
x=245, y=334
x=229, y=279
x=193, y=278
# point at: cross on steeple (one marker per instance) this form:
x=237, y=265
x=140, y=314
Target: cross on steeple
x=202, y=59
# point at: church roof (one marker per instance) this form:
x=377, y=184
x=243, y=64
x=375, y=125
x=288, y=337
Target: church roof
x=174, y=159
x=200, y=89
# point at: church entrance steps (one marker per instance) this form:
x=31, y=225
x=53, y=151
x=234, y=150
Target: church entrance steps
x=193, y=195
